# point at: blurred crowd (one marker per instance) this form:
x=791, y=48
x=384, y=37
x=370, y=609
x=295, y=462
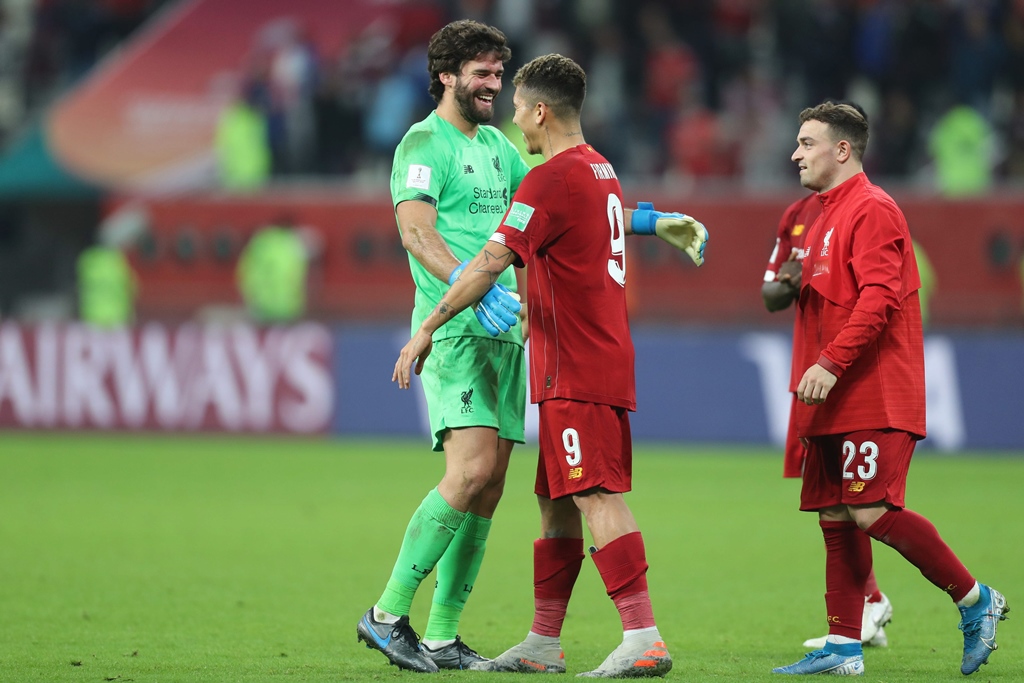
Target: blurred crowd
x=694, y=91
x=47, y=45
x=688, y=91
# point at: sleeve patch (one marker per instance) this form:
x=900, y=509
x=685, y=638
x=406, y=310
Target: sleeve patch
x=518, y=216
x=419, y=177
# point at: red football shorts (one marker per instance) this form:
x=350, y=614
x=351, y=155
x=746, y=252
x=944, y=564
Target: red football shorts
x=857, y=468
x=583, y=446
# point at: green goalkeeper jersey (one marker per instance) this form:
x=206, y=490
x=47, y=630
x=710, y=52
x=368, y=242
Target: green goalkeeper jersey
x=470, y=182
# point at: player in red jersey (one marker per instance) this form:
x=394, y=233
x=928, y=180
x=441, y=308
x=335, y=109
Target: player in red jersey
x=567, y=221
x=858, y=374
x=780, y=289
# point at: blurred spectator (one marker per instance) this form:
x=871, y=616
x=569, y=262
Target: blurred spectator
x=107, y=285
x=13, y=42
x=294, y=74
x=827, y=56
x=1013, y=162
x=700, y=148
x=398, y=100
x=271, y=274
x=606, y=116
x=242, y=143
x=671, y=77
x=1013, y=45
x=338, y=118
x=975, y=49
x=961, y=146
x=896, y=139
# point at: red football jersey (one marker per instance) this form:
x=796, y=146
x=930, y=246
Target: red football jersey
x=860, y=317
x=566, y=222
x=794, y=225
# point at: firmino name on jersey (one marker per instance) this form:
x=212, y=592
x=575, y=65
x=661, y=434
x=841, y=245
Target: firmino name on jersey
x=604, y=171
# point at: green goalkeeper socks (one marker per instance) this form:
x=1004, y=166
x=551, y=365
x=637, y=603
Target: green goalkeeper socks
x=456, y=573
x=428, y=535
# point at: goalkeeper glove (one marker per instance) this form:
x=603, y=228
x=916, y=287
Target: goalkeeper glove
x=683, y=232
x=498, y=310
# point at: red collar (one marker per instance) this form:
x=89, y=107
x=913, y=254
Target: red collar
x=850, y=186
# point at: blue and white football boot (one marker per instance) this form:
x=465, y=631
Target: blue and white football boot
x=834, y=660
x=978, y=622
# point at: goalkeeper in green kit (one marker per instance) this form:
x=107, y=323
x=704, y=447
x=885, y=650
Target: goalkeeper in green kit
x=452, y=181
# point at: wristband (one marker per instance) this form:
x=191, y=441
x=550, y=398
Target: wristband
x=645, y=218
x=458, y=271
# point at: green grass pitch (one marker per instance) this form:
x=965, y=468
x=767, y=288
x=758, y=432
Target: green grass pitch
x=147, y=558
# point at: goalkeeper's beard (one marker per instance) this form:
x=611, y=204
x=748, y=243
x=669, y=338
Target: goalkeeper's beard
x=466, y=102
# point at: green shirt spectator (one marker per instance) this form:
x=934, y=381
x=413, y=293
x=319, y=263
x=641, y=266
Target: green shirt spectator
x=242, y=146
x=961, y=145
x=106, y=287
x=272, y=275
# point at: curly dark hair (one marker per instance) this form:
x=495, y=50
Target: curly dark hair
x=460, y=42
x=556, y=81
x=846, y=121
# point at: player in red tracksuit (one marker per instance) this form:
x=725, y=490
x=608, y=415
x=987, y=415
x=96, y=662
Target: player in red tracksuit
x=858, y=374
x=780, y=289
x=568, y=223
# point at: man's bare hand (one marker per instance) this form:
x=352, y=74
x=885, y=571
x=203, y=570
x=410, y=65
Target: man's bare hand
x=815, y=385
x=419, y=347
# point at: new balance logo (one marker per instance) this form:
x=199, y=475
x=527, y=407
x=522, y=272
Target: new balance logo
x=467, y=402
x=467, y=169
x=856, y=487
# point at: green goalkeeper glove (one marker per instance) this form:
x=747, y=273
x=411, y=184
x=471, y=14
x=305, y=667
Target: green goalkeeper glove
x=683, y=232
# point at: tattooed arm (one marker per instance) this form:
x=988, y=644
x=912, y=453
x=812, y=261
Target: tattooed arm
x=472, y=283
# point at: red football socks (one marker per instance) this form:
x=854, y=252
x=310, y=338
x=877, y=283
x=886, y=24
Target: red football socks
x=917, y=540
x=556, y=565
x=623, y=567
x=847, y=565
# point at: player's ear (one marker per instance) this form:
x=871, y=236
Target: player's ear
x=541, y=112
x=843, y=151
x=447, y=79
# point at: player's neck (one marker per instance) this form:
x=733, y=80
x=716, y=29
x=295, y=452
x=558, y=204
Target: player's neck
x=846, y=172
x=450, y=113
x=558, y=137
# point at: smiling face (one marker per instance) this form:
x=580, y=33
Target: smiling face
x=817, y=156
x=525, y=120
x=476, y=87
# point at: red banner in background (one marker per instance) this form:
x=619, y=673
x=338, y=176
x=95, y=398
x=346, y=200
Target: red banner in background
x=188, y=378
x=360, y=271
x=358, y=268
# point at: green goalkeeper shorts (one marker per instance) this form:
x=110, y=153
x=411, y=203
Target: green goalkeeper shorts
x=475, y=382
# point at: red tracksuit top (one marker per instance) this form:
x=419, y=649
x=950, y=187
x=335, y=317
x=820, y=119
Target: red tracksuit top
x=859, y=315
